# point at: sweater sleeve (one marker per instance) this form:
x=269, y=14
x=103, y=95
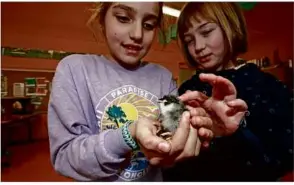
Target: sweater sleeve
x=267, y=135
x=76, y=150
x=270, y=124
x=266, y=140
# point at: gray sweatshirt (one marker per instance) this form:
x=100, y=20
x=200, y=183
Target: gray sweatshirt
x=91, y=99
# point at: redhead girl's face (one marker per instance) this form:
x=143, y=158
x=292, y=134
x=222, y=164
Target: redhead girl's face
x=206, y=44
x=129, y=30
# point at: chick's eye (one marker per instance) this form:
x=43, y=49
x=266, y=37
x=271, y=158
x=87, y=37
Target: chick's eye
x=166, y=103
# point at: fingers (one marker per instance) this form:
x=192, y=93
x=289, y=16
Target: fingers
x=154, y=143
x=193, y=103
x=156, y=128
x=196, y=111
x=214, y=80
x=193, y=96
x=181, y=135
x=146, y=136
x=236, y=105
x=239, y=104
x=189, y=149
x=205, y=134
x=204, y=124
x=221, y=84
x=154, y=161
x=199, y=122
x=205, y=144
x=162, y=161
x=156, y=123
x=199, y=117
x=198, y=147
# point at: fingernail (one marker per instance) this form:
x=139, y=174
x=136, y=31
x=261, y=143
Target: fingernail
x=164, y=147
x=205, y=144
x=186, y=114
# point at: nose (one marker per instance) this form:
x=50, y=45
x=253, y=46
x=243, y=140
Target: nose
x=136, y=32
x=199, y=45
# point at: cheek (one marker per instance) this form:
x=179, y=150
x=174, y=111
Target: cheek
x=148, y=38
x=112, y=39
x=216, y=44
x=191, y=50
x=113, y=31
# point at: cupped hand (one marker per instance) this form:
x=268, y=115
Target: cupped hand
x=224, y=109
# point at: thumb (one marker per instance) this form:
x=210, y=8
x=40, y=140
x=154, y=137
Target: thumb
x=164, y=147
x=182, y=132
x=193, y=96
x=155, y=143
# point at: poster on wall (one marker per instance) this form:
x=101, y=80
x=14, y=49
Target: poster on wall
x=4, y=91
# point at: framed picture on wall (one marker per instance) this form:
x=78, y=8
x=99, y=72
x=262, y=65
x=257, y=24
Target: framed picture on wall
x=18, y=89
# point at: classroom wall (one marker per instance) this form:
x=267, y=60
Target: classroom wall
x=62, y=27
x=270, y=30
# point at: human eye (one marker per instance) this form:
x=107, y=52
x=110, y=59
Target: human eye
x=206, y=32
x=148, y=26
x=188, y=40
x=123, y=19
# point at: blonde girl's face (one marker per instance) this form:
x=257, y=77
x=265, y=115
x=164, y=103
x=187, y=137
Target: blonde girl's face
x=129, y=30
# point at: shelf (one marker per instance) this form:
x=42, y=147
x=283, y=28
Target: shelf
x=28, y=70
x=277, y=66
x=270, y=67
x=14, y=97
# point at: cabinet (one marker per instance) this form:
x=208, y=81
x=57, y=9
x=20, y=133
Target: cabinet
x=30, y=123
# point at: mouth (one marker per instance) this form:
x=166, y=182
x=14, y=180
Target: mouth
x=131, y=49
x=204, y=58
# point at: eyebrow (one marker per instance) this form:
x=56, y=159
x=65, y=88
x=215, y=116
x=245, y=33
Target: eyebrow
x=201, y=26
x=130, y=9
x=150, y=16
x=124, y=7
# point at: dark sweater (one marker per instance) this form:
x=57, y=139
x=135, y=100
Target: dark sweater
x=262, y=150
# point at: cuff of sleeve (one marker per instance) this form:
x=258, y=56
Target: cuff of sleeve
x=242, y=126
x=115, y=144
x=236, y=135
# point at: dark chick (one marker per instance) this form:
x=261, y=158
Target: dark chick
x=171, y=110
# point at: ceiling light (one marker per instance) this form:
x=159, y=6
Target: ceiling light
x=171, y=11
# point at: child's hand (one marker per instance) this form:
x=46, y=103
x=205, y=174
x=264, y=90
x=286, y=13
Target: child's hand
x=184, y=143
x=224, y=109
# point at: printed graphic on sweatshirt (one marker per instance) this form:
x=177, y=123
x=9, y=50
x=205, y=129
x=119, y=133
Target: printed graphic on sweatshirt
x=123, y=104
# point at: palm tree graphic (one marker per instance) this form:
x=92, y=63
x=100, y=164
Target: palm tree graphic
x=116, y=114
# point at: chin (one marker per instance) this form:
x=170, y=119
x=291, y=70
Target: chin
x=208, y=66
x=129, y=61
x=132, y=60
